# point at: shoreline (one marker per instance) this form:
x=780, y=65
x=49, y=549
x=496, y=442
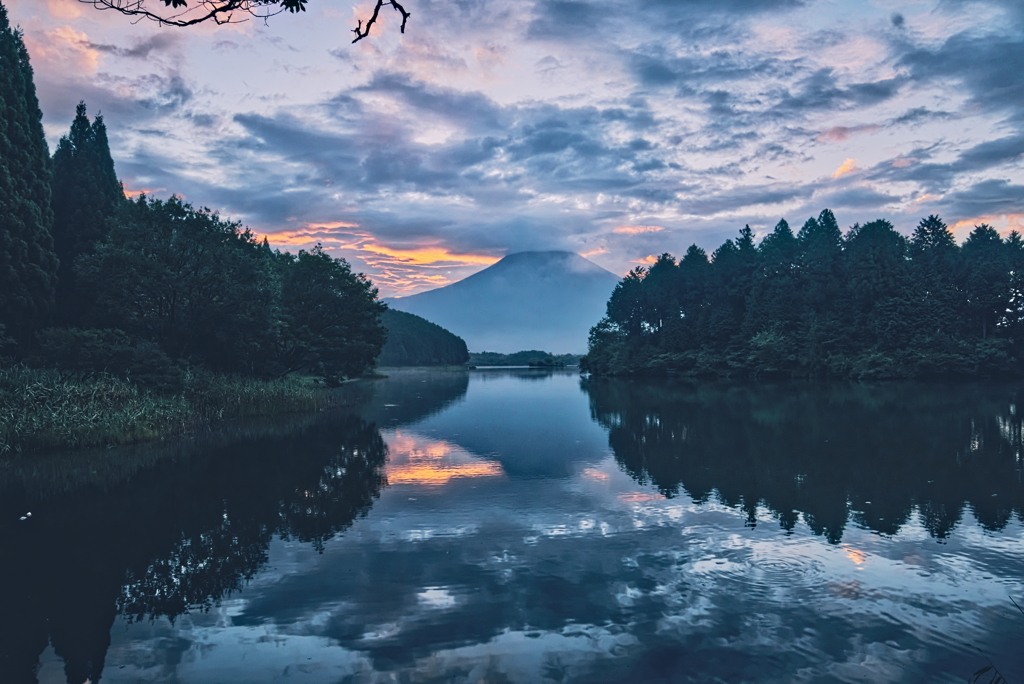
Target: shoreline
x=43, y=411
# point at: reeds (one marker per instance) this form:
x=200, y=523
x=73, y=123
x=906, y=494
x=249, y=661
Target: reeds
x=44, y=409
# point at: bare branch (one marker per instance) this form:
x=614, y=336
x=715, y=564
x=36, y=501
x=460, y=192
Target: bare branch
x=191, y=12
x=218, y=11
x=362, y=32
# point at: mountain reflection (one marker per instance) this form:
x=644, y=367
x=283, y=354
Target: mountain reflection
x=875, y=454
x=177, y=538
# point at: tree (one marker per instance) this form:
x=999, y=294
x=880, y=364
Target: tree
x=986, y=279
x=201, y=288
x=28, y=265
x=331, y=315
x=179, y=13
x=86, y=195
x=935, y=258
x=415, y=341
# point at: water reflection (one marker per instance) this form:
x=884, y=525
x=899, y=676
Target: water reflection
x=177, y=538
x=500, y=527
x=423, y=461
x=831, y=453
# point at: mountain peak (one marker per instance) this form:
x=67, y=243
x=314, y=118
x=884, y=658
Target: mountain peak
x=528, y=300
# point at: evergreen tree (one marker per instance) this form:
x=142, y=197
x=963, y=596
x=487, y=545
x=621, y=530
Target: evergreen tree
x=986, y=279
x=820, y=265
x=868, y=304
x=28, y=265
x=935, y=256
x=86, y=194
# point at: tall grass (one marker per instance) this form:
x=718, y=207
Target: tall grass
x=46, y=409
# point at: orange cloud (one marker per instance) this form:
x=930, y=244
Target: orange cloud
x=420, y=460
x=64, y=9
x=636, y=230
x=596, y=475
x=65, y=49
x=856, y=555
x=848, y=166
x=594, y=252
x=1004, y=223
x=649, y=259
x=397, y=270
x=132, y=194
x=429, y=255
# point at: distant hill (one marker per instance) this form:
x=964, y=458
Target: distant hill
x=415, y=341
x=529, y=300
x=531, y=357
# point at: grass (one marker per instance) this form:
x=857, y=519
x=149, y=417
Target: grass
x=44, y=409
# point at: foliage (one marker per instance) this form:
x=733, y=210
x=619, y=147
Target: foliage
x=46, y=408
x=415, y=341
x=868, y=304
x=331, y=317
x=28, y=266
x=834, y=453
x=201, y=288
x=86, y=193
x=530, y=357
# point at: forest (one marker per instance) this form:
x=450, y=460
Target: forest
x=147, y=305
x=819, y=303
x=415, y=341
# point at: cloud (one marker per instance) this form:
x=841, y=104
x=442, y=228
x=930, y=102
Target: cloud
x=142, y=49
x=848, y=166
x=63, y=49
x=843, y=133
x=637, y=230
x=493, y=126
x=64, y=9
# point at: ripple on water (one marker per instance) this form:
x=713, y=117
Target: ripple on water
x=758, y=574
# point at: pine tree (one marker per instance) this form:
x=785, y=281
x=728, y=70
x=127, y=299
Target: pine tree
x=986, y=280
x=28, y=265
x=935, y=258
x=86, y=194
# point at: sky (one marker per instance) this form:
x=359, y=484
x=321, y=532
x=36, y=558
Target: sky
x=618, y=129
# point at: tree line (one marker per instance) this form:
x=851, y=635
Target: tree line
x=415, y=341
x=821, y=303
x=92, y=281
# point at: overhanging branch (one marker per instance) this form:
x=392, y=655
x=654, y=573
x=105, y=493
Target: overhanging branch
x=218, y=11
x=361, y=31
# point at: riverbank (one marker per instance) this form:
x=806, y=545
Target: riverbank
x=43, y=409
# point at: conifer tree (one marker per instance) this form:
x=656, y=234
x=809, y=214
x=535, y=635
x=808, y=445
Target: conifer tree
x=28, y=265
x=86, y=194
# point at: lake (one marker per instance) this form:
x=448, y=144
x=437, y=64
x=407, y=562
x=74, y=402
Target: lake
x=535, y=526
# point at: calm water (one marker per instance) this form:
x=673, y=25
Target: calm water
x=512, y=526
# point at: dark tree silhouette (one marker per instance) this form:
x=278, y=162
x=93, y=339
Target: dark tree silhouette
x=181, y=13
x=28, y=266
x=86, y=193
x=870, y=303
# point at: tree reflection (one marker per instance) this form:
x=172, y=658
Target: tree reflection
x=871, y=453
x=177, y=538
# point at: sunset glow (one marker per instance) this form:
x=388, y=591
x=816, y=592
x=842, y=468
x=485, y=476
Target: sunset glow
x=417, y=460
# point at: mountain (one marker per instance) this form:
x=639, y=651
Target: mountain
x=529, y=300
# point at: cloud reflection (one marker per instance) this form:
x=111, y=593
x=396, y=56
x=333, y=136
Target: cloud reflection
x=418, y=460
